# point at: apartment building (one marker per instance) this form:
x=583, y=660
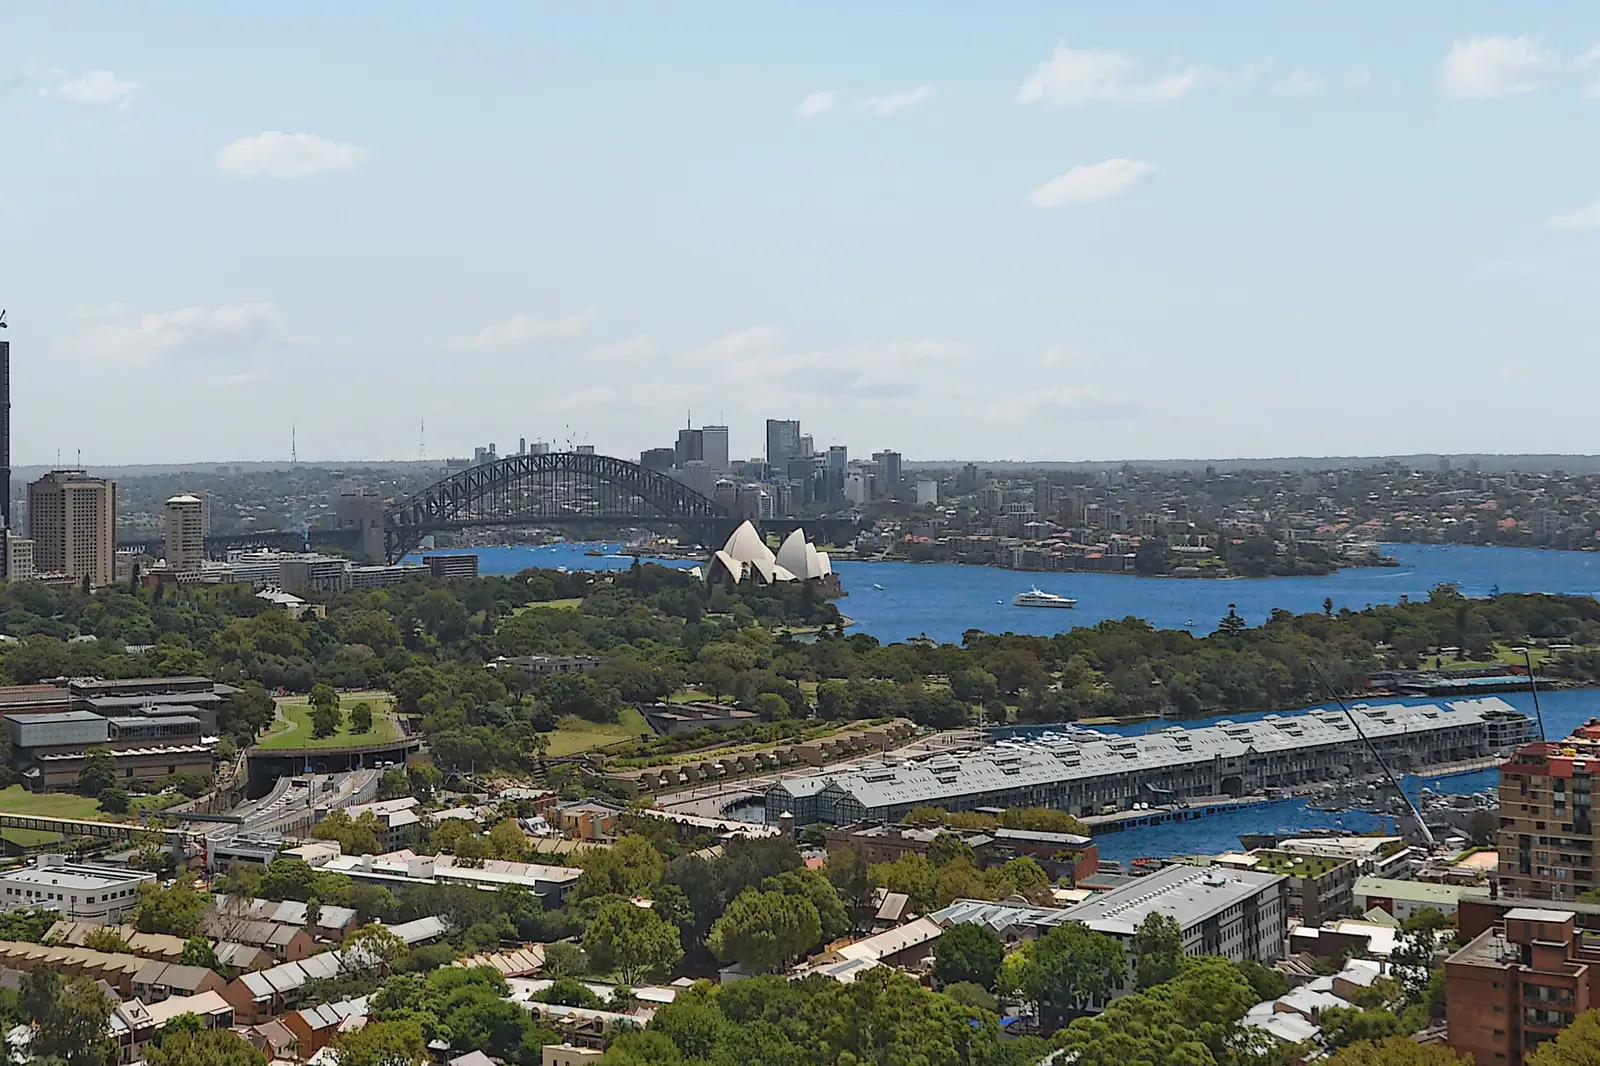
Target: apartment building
x=1547, y=841
x=1517, y=984
x=72, y=520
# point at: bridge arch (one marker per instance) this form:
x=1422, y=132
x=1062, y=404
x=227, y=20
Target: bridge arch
x=535, y=489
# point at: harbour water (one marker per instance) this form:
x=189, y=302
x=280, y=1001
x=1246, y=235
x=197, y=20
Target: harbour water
x=944, y=601
x=1562, y=709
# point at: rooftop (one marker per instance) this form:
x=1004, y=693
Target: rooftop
x=1413, y=891
x=1185, y=893
x=56, y=872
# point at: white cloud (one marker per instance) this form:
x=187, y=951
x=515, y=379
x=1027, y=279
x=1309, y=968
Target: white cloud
x=637, y=347
x=522, y=330
x=897, y=101
x=99, y=87
x=1298, y=82
x=1489, y=68
x=1583, y=220
x=1091, y=183
x=1589, y=59
x=817, y=103
x=274, y=154
x=120, y=335
x=1058, y=355
x=1081, y=402
x=1073, y=78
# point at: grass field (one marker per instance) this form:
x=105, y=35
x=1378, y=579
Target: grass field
x=550, y=605
x=292, y=728
x=1503, y=655
x=18, y=800
x=574, y=734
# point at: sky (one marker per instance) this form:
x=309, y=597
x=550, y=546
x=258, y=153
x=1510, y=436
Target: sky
x=1049, y=231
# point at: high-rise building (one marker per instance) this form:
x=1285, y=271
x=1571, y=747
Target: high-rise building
x=5, y=433
x=889, y=468
x=838, y=461
x=927, y=492
x=1043, y=497
x=714, y=447
x=19, y=557
x=186, y=533
x=783, y=441
x=72, y=519
x=691, y=446
x=1547, y=843
x=657, y=458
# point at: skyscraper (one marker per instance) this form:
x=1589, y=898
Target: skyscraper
x=186, y=533
x=72, y=518
x=5, y=432
x=783, y=442
x=889, y=467
x=691, y=447
x=714, y=446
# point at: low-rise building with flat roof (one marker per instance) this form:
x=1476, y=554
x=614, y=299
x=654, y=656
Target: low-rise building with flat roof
x=1239, y=914
x=1405, y=898
x=80, y=891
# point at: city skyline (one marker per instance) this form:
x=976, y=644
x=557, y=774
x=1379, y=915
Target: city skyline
x=1025, y=235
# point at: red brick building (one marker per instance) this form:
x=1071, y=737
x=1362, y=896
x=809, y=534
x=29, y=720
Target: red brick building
x=1518, y=984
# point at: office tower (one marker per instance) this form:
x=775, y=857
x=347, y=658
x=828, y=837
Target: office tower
x=783, y=441
x=5, y=432
x=927, y=492
x=837, y=462
x=72, y=519
x=807, y=447
x=658, y=458
x=1043, y=497
x=714, y=447
x=186, y=533
x=888, y=468
x=691, y=447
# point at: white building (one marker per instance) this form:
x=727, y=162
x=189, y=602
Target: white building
x=81, y=891
x=1239, y=914
x=746, y=557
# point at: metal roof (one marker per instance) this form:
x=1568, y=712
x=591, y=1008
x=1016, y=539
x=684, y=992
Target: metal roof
x=1186, y=894
x=1081, y=754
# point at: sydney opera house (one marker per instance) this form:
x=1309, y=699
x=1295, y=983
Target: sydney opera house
x=746, y=558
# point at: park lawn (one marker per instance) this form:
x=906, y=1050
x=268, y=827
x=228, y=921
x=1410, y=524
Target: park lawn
x=30, y=838
x=1504, y=655
x=551, y=605
x=18, y=800
x=573, y=734
x=292, y=728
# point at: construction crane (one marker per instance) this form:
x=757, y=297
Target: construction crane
x=1427, y=834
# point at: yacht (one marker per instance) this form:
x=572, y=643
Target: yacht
x=1034, y=598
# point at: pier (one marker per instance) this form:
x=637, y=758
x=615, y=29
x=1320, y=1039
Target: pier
x=1101, y=824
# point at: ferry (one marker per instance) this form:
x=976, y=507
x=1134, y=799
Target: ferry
x=1034, y=598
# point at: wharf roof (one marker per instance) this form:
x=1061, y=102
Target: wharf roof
x=1086, y=754
x=1183, y=893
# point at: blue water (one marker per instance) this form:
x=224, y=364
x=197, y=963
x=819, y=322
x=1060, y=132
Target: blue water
x=943, y=601
x=1563, y=710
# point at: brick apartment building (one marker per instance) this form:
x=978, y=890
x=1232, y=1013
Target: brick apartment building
x=1517, y=984
x=1547, y=841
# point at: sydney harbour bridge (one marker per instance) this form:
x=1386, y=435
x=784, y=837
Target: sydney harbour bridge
x=557, y=488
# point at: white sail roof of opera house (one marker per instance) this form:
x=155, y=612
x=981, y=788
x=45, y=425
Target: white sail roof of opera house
x=746, y=555
x=801, y=558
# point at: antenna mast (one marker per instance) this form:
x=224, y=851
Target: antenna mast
x=422, y=440
x=294, y=444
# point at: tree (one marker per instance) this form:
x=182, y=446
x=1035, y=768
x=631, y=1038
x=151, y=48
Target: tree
x=71, y=1016
x=105, y=938
x=1232, y=625
x=98, y=774
x=324, y=719
x=968, y=952
x=634, y=940
x=396, y=1043
x=813, y=885
x=358, y=836
x=361, y=718
x=1578, y=1044
x=1071, y=967
x=175, y=911
x=1403, y=1051
x=562, y=959
x=114, y=801
x=197, y=951
x=764, y=930
x=372, y=947
x=631, y=867
x=1157, y=947
x=208, y=1047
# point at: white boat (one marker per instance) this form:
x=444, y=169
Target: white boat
x=1034, y=598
